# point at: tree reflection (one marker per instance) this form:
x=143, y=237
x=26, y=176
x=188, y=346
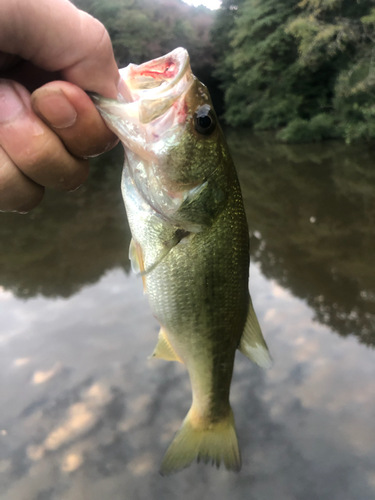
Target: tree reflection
x=70, y=240
x=310, y=210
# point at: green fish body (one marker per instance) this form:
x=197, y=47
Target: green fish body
x=190, y=244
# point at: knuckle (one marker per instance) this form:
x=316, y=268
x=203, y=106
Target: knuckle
x=31, y=201
x=50, y=164
x=103, y=38
x=38, y=153
x=17, y=192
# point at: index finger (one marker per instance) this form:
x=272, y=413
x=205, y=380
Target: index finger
x=56, y=36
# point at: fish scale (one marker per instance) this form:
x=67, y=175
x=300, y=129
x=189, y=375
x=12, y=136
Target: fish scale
x=190, y=244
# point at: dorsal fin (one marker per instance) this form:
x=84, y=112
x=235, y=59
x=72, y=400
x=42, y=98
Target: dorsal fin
x=252, y=343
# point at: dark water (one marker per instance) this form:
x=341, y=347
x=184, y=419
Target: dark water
x=85, y=415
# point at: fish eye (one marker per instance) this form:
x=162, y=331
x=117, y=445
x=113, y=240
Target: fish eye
x=204, y=120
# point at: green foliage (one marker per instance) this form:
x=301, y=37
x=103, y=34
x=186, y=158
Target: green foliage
x=320, y=127
x=305, y=66
x=220, y=36
x=260, y=50
x=354, y=100
x=141, y=30
x=369, y=19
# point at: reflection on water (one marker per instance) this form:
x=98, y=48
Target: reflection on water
x=312, y=212
x=69, y=240
x=310, y=209
x=85, y=415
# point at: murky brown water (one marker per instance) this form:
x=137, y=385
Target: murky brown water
x=85, y=415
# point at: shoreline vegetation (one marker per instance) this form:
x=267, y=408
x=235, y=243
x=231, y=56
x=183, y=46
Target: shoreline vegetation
x=303, y=68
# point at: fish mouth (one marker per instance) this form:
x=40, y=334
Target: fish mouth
x=149, y=116
x=151, y=105
x=154, y=79
x=156, y=86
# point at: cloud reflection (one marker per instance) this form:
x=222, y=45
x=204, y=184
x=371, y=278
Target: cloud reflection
x=71, y=462
x=21, y=362
x=303, y=426
x=40, y=377
x=81, y=417
x=5, y=294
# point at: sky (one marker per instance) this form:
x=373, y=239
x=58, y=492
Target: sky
x=211, y=4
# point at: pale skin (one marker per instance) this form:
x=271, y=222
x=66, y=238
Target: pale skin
x=50, y=54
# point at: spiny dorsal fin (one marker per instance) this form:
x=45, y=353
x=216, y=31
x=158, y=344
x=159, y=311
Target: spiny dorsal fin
x=163, y=349
x=252, y=343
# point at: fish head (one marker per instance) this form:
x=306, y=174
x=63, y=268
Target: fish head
x=167, y=124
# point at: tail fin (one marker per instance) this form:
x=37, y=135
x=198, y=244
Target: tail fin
x=215, y=442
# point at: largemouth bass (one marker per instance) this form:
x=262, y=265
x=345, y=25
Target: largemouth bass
x=190, y=244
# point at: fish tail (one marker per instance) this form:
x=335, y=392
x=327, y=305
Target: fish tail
x=207, y=442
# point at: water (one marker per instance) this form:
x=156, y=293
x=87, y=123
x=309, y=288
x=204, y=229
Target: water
x=85, y=415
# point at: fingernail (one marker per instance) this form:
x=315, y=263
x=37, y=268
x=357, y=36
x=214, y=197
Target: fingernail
x=56, y=109
x=11, y=104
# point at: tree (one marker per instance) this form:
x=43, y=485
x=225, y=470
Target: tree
x=142, y=30
x=341, y=33
x=304, y=65
x=260, y=51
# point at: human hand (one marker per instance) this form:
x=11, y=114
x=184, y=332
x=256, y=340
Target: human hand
x=46, y=136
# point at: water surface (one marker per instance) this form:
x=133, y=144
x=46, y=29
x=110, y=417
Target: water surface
x=85, y=415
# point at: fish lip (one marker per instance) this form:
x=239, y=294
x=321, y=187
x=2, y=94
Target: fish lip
x=183, y=57
x=178, y=55
x=147, y=115
x=145, y=99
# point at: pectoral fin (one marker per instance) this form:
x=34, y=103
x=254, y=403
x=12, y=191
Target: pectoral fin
x=133, y=256
x=136, y=254
x=201, y=206
x=163, y=349
x=252, y=343
x=136, y=260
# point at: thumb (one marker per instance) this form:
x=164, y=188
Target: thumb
x=56, y=36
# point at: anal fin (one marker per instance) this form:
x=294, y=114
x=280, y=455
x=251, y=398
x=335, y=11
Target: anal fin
x=252, y=343
x=163, y=349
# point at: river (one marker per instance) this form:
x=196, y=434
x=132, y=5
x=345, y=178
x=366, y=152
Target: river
x=85, y=415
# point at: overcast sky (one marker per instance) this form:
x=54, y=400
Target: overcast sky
x=211, y=4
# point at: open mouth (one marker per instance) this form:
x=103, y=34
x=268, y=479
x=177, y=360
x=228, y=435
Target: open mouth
x=155, y=86
x=152, y=79
x=151, y=105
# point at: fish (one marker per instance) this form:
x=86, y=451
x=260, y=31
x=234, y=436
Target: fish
x=190, y=244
